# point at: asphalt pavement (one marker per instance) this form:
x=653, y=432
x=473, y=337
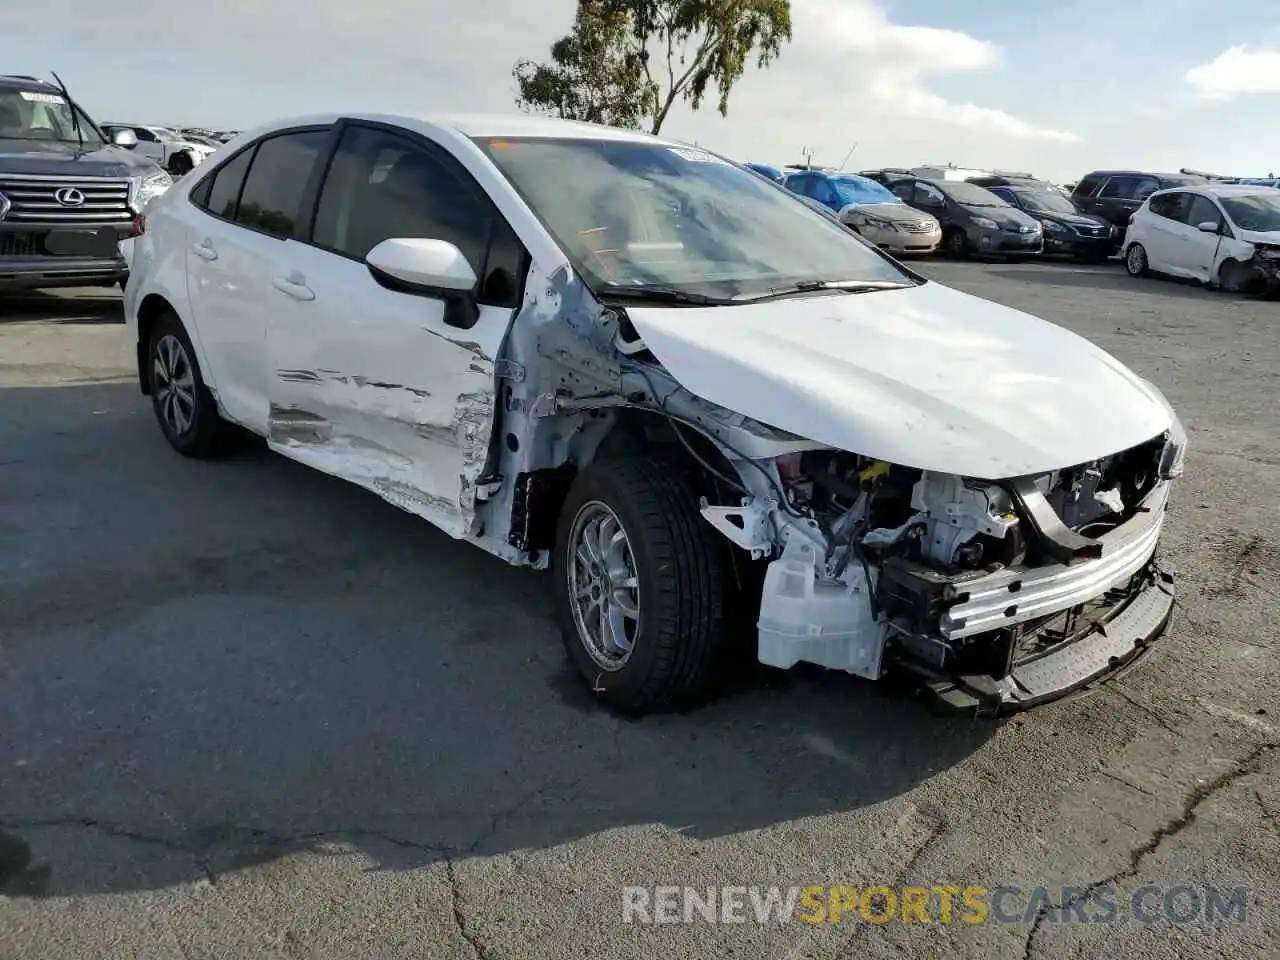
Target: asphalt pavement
x=247, y=710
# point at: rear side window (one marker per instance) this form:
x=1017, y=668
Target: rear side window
x=1087, y=187
x=1172, y=206
x=1119, y=188
x=220, y=192
x=1145, y=187
x=277, y=179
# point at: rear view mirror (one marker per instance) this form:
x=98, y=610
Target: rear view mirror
x=1209, y=226
x=429, y=265
x=125, y=138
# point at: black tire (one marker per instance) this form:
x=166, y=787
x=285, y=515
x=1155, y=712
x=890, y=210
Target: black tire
x=1233, y=277
x=680, y=636
x=170, y=357
x=955, y=244
x=180, y=164
x=1135, y=260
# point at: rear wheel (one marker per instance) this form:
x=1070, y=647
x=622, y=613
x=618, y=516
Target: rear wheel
x=640, y=584
x=1135, y=260
x=180, y=164
x=184, y=407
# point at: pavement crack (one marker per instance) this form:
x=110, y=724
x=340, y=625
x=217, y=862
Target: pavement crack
x=1126, y=782
x=1155, y=715
x=459, y=915
x=937, y=829
x=1194, y=799
x=118, y=831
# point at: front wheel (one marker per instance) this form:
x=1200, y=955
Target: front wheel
x=956, y=244
x=640, y=582
x=1135, y=260
x=180, y=164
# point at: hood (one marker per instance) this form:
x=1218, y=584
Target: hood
x=893, y=212
x=926, y=377
x=54, y=159
x=1269, y=237
x=1005, y=216
x=1071, y=219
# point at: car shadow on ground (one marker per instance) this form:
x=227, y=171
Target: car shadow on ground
x=215, y=664
x=85, y=308
x=1108, y=276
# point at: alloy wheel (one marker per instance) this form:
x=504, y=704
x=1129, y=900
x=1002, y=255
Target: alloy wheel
x=1136, y=260
x=173, y=384
x=604, y=587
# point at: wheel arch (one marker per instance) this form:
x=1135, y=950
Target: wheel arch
x=150, y=310
x=629, y=432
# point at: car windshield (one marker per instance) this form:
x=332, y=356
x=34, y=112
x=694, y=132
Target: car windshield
x=862, y=190
x=968, y=194
x=1260, y=212
x=1050, y=201
x=643, y=214
x=35, y=115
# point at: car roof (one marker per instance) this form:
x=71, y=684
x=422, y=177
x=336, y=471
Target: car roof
x=1222, y=190
x=29, y=84
x=516, y=126
x=1190, y=178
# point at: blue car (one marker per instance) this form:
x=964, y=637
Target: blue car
x=766, y=171
x=869, y=208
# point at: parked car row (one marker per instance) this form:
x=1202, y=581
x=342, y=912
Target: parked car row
x=1223, y=233
x=178, y=153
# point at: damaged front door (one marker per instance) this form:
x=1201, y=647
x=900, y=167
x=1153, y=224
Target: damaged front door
x=370, y=383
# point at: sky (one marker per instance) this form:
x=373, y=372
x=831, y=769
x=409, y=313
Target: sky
x=1052, y=89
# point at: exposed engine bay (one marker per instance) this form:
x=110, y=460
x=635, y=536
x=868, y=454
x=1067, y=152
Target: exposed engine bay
x=953, y=577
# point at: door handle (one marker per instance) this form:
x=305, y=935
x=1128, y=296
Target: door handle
x=204, y=250
x=294, y=285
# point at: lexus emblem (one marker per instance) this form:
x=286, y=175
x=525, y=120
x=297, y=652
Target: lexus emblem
x=4, y=206
x=69, y=197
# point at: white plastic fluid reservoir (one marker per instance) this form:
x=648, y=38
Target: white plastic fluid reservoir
x=811, y=619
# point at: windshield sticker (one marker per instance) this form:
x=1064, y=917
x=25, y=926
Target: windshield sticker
x=694, y=156
x=40, y=97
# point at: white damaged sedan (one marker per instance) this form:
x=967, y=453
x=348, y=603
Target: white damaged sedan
x=718, y=417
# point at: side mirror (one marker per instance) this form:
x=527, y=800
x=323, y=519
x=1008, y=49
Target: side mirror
x=432, y=268
x=1209, y=226
x=125, y=138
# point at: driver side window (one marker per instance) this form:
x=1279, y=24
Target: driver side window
x=144, y=136
x=381, y=186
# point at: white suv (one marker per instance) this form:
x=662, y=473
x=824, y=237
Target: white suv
x=716, y=415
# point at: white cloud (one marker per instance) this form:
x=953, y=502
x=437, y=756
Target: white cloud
x=1237, y=70
x=849, y=74
x=881, y=69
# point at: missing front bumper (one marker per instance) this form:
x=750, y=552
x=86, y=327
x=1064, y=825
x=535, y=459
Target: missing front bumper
x=1114, y=645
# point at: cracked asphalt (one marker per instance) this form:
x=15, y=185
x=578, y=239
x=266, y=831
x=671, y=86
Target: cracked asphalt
x=249, y=711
